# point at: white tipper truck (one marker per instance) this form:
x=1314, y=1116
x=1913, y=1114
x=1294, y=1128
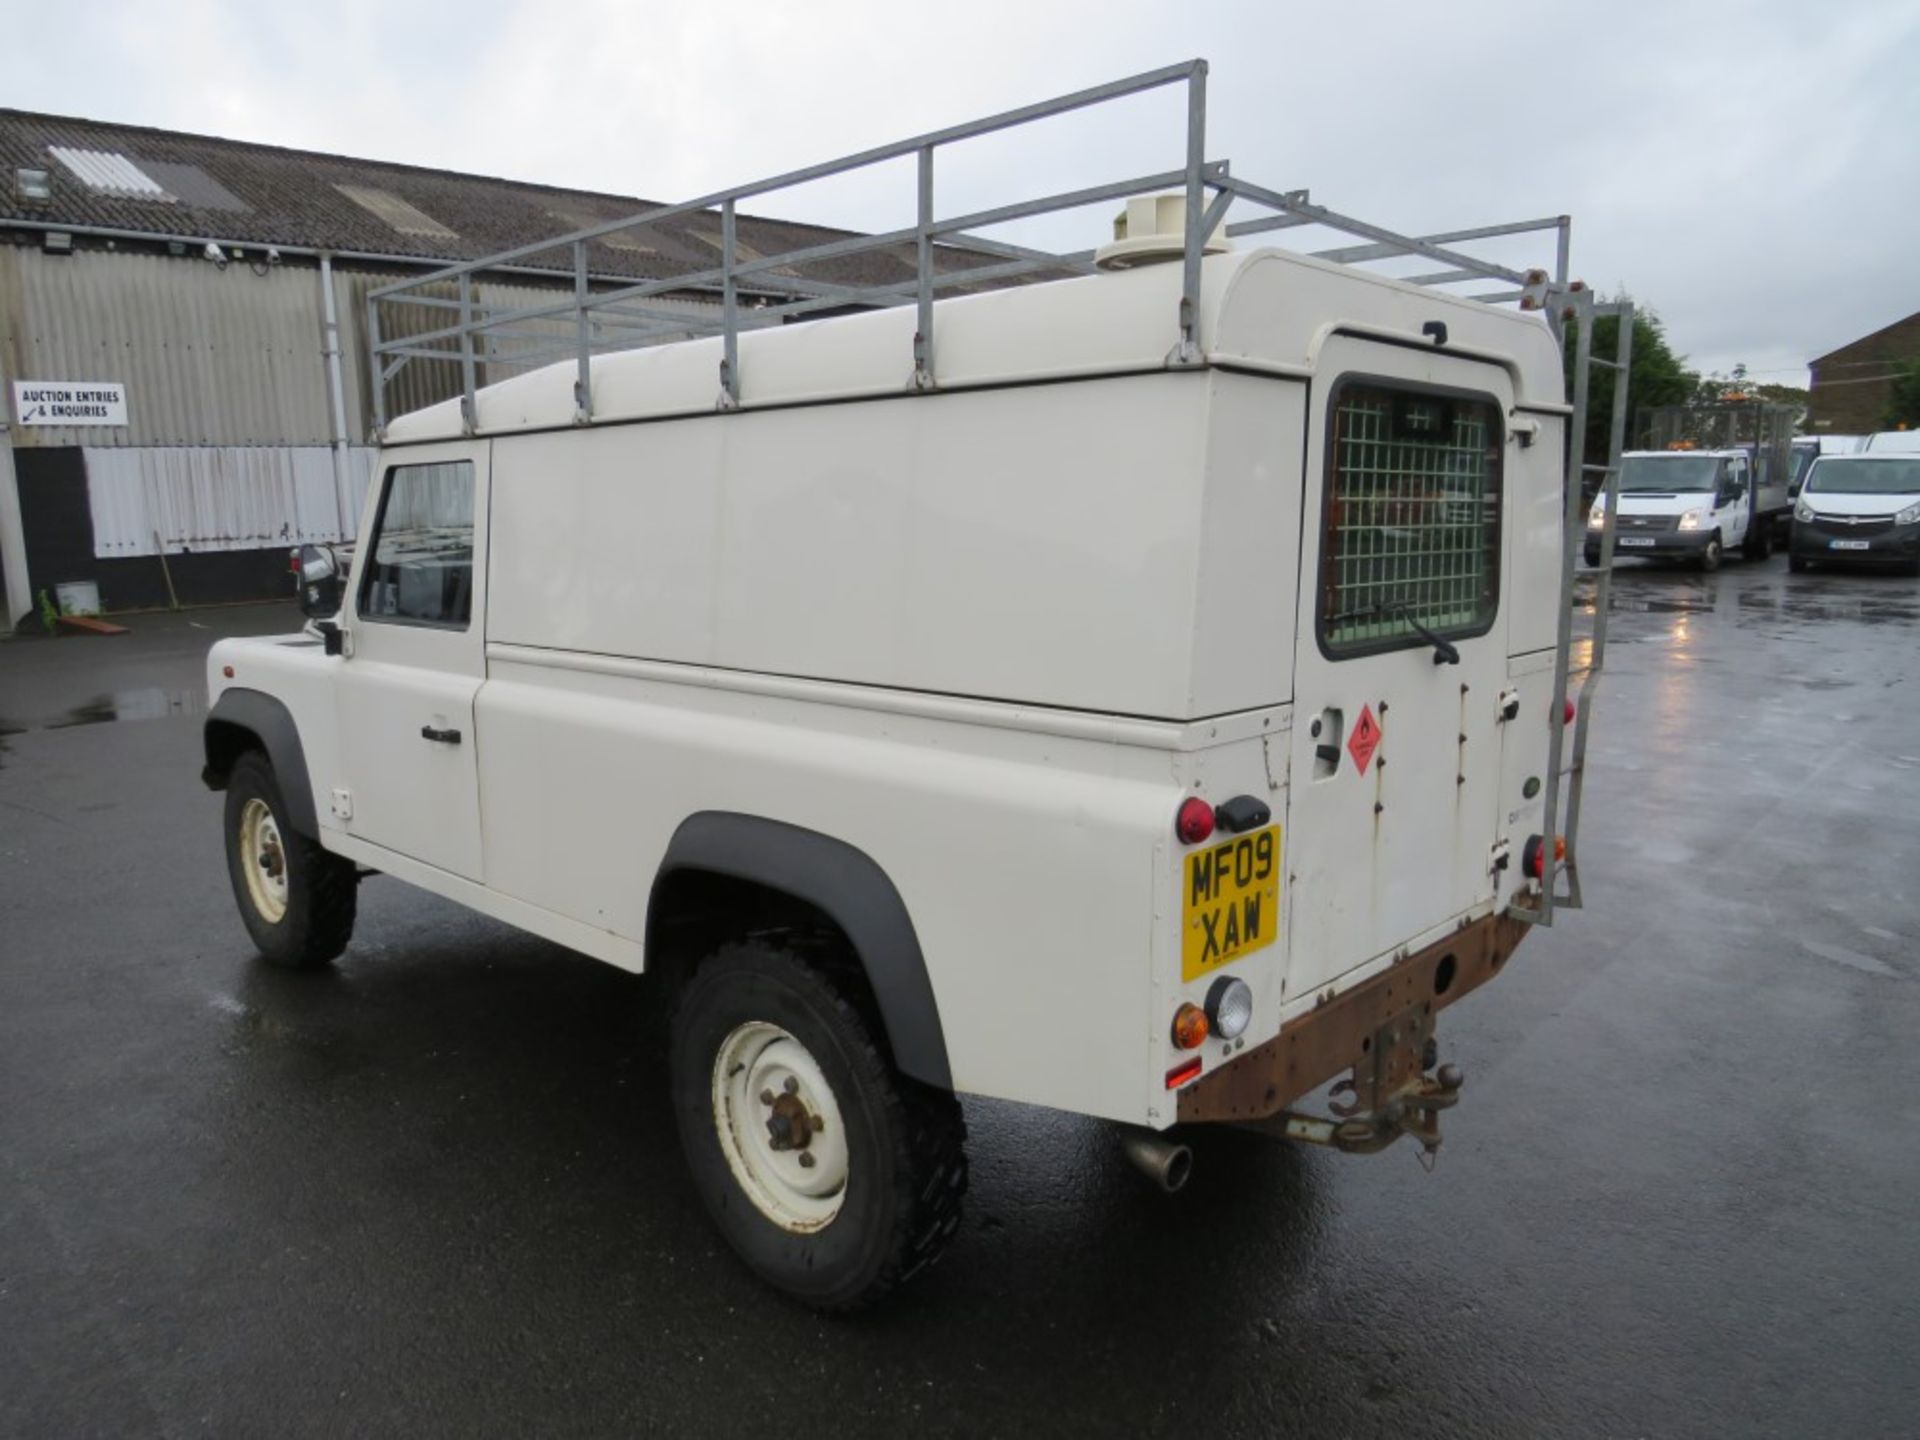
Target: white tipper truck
x=1153, y=733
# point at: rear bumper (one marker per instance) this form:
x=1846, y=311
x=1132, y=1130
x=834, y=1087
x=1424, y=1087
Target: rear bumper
x=1897, y=546
x=1339, y=1034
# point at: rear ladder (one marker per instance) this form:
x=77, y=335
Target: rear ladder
x=1576, y=306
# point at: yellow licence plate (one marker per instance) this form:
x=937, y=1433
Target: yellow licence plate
x=1230, y=901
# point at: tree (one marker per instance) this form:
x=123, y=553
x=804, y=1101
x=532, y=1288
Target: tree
x=1655, y=376
x=1903, y=403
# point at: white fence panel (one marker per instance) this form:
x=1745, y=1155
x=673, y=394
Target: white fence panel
x=232, y=497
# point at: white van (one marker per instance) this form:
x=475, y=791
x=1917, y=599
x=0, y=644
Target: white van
x=1692, y=505
x=1139, y=694
x=1893, y=442
x=1859, y=509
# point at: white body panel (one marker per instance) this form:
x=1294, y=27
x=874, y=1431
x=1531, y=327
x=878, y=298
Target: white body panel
x=1892, y=442
x=989, y=637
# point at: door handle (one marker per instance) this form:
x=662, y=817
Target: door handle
x=445, y=737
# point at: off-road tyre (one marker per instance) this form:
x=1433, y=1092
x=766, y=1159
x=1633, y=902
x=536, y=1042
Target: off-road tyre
x=1710, y=556
x=321, y=889
x=906, y=1142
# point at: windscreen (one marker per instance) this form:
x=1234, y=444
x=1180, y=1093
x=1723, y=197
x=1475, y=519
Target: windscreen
x=1803, y=458
x=1667, y=473
x=1837, y=476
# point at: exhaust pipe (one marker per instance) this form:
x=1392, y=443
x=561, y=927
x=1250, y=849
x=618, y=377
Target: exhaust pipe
x=1166, y=1163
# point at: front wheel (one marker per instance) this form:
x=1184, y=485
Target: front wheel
x=1710, y=557
x=832, y=1175
x=296, y=899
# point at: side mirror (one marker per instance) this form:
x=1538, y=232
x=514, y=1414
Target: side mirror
x=332, y=640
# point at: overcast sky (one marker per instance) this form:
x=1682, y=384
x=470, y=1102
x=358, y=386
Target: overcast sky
x=1749, y=170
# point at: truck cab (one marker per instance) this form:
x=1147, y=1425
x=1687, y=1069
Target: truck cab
x=1691, y=505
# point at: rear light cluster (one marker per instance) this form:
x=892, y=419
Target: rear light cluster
x=1193, y=823
x=1533, y=858
x=1225, y=1016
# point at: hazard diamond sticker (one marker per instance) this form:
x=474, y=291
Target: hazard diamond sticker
x=1365, y=738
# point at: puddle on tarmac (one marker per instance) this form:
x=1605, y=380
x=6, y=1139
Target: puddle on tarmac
x=146, y=703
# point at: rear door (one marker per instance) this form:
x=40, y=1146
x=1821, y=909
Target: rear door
x=1399, y=661
x=418, y=656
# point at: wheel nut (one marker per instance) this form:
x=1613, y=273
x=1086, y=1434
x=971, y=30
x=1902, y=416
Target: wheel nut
x=806, y=1159
x=792, y=1086
x=766, y=1097
x=817, y=1123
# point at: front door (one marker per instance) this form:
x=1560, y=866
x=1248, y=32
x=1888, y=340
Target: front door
x=1399, y=664
x=1734, y=501
x=416, y=659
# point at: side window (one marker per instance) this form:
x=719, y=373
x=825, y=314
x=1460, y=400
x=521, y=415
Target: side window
x=1412, y=518
x=419, y=567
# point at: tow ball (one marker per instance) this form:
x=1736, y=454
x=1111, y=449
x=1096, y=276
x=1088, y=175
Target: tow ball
x=1414, y=1111
x=1395, y=1088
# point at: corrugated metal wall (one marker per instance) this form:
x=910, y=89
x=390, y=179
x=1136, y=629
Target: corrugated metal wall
x=145, y=498
x=208, y=356
x=214, y=357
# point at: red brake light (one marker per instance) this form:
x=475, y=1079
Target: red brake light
x=1568, y=714
x=1194, y=820
x=1533, y=858
x=293, y=561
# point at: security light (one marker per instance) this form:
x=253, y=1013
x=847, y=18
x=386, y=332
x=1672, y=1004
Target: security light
x=214, y=253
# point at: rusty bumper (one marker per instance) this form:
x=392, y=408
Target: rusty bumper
x=1377, y=1030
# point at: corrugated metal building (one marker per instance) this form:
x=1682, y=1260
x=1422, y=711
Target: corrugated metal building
x=191, y=276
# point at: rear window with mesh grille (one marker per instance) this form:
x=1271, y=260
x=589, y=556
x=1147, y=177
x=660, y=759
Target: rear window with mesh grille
x=1412, y=518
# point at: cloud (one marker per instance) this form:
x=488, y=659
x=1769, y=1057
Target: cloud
x=1748, y=170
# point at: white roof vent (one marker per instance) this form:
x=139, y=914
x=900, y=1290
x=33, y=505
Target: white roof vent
x=1153, y=228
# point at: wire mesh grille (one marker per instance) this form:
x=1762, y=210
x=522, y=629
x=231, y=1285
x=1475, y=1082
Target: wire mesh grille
x=1413, y=519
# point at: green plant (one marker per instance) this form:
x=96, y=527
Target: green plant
x=49, y=613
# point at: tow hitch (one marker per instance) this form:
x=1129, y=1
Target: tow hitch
x=1415, y=1112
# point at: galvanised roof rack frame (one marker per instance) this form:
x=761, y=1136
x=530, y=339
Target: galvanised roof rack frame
x=615, y=316
x=609, y=312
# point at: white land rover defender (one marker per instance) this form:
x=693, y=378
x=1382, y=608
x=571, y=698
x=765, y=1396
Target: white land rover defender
x=1139, y=692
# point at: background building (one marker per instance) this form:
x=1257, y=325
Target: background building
x=207, y=298
x=1853, y=385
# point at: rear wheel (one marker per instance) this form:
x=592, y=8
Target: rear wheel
x=1710, y=557
x=296, y=899
x=832, y=1175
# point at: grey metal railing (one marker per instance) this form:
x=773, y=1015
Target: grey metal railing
x=598, y=311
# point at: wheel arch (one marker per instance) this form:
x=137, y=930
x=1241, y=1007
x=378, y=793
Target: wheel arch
x=840, y=882
x=243, y=720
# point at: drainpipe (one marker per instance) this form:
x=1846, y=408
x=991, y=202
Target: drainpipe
x=13, y=537
x=330, y=344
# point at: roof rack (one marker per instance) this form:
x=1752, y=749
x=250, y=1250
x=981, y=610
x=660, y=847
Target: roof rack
x=611, y=312
x=937, y=253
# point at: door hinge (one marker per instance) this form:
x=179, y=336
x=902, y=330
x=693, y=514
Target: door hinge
x=342, y=803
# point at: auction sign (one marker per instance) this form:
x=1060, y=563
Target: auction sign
x=69, y=402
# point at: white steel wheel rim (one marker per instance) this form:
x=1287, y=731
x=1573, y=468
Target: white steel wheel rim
x=764, y=1080
x=264, y=859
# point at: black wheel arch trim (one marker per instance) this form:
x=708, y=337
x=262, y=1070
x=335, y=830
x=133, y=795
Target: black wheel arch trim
x=272, y=723
x=846, y=885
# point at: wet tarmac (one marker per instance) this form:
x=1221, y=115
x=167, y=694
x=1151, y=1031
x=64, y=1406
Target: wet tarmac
x=436, y=1191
